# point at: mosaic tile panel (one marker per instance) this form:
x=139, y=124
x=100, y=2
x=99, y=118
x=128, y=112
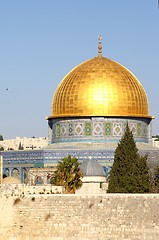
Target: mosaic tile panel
x=88, y=129
x=144, y=131
x=117, y=129
x=133, y=128
x=104, y=156
x=54, y=130
x=70, y=129
x=78, y=129
x=49, y=134
x=108, y=129
x=124, y=126
x=63, y=130
x=97, y=129
x=58, y=130
x=139, y=129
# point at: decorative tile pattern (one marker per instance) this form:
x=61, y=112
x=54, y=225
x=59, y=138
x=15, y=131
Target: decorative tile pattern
x=117, y=129
x=88, y=129
x=70, y=129
x=54, y=130
x=133, y=128
x=124, y=126
x=63, y=130
x=58, y=130
x=139, y=129
x=108, y=129
x=78, y=130
x=97, y=129
x=51, y=156
x=144, y=131
x=49, y=134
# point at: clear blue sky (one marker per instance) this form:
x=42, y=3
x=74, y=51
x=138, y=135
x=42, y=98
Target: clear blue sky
x=41, y=40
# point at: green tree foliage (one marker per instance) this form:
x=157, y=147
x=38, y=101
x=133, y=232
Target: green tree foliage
x=155, y=181
x=129, y=173
x=1, y=138
x=20, y=146
x=1, y=148
x=68, y=174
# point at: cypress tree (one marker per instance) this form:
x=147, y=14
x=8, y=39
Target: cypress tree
x=1, y=138
x=20, y=146
x=155, y=182
x=129, y=173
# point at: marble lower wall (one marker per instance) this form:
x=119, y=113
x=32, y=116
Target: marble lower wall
x=80, y=217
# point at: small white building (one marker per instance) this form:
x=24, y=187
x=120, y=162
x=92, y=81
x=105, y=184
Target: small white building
x=94, y=178
x=155, y=142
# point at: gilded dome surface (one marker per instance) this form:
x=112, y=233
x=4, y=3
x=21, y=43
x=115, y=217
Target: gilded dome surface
x=100, y=87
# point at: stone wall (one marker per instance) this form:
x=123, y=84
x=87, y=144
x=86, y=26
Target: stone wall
x=1, y=169
x=24, y=190
x=80, y=217
x=27, y=143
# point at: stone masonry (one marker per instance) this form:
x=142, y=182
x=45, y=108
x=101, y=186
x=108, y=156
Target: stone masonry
x=80, y=217
x=1, y=169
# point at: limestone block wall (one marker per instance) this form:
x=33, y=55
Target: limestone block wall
x=1, y=169
x=27, y=143
x=23, y=190
x=80, y=217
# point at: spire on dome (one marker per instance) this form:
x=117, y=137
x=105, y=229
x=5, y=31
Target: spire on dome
x=100, y=45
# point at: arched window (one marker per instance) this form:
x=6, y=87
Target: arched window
x=6, y=173
x=25, y=175
x=39, y=181
x=15, y=173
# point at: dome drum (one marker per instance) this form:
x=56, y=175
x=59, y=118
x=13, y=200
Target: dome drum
x=97, y=129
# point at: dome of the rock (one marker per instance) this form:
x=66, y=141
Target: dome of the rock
x=91, y=108
x=100, y=87
x=95, y=101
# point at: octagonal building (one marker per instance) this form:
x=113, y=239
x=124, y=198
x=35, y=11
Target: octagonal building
x=95, y=101
x=90, y=109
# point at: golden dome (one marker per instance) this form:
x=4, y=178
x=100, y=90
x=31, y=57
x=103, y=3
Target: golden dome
x=100, y=87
